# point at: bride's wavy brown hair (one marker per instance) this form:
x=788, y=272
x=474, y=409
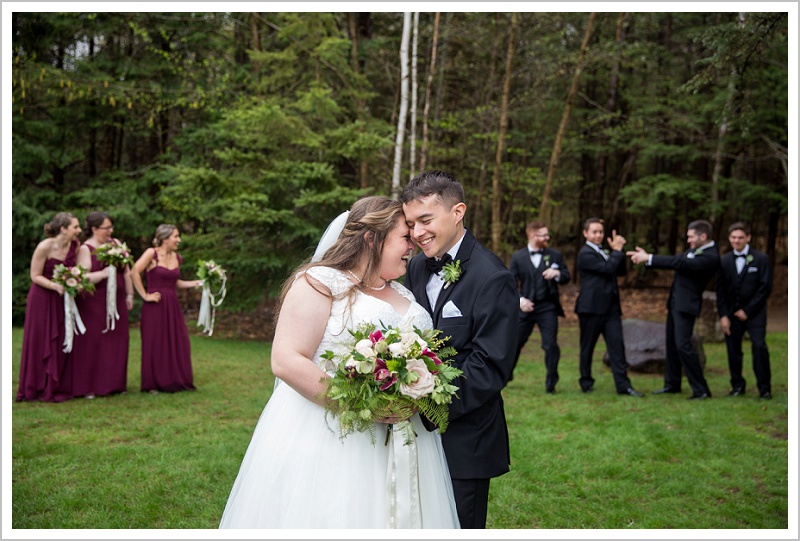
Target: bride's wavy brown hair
x=370, y=221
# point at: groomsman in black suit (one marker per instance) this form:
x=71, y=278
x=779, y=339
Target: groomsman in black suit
x=538, y=270
x=477, y=308
x=744, y=282
x=694, y=269
x=598, y=305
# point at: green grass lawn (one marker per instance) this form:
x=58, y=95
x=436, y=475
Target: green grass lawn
x=578, y=460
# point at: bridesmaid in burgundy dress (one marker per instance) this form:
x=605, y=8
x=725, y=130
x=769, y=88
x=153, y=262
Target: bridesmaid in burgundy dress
x=100, y=357
x=45, y=372
x=166, y=355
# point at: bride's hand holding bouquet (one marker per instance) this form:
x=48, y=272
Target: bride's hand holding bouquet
x=387, y=376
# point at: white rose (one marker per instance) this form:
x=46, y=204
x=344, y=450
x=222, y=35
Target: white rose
x=410, y=338
x=423, y=386
x=398, y=349
x=364, y=347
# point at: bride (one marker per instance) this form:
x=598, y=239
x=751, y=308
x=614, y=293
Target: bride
x=297, y=472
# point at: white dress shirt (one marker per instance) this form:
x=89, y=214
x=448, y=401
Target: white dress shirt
x=435, y=282
x=741, y=261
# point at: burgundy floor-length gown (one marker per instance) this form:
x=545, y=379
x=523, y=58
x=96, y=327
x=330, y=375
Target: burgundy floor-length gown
x=100, y=359
x=45, y=370
x=166, y=354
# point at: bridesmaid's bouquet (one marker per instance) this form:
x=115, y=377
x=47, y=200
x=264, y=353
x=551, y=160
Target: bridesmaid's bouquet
x=114, y=253
x=391, y=372
x=215, y=280
x=75, y=280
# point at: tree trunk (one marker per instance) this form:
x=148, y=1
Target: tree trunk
x=440, y=79
x=611, y=106
x=497, y=194
x=478, y=210
x=719, y=161
x=426, y=109
x=544, y=209
x=401, y=117
x=414, y=91
x=352, y=19
x=256, y=38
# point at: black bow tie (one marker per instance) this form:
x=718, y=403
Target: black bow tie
x=740, y=255
x=534, y=252
x=435, y=266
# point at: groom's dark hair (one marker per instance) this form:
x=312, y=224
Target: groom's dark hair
x=439, y=183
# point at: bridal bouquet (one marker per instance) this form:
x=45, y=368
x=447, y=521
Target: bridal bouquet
x=215, y=280
x=391, y=372
x=74, y=280
x=114, y=253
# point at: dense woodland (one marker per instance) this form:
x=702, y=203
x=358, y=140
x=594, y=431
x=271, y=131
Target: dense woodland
x=250, y=131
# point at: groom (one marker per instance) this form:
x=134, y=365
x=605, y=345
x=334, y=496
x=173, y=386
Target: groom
x=477, y=308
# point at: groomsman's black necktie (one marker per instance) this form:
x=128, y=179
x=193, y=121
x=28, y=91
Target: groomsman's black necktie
x=435, y=266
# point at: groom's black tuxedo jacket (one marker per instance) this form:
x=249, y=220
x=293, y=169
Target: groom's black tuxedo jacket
x=485, y=337
x=748, y=290
x=692, y=275
x=524, y=272
x=599, y=291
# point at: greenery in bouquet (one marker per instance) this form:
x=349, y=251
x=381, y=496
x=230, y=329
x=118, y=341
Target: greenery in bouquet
x=74, y=279
x=212, y=274
x=391, y=372
x=115, y=252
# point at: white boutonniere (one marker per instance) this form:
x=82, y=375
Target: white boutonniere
x=451, y=273
x=546, y=260
x=749, y=258
x=606, y=251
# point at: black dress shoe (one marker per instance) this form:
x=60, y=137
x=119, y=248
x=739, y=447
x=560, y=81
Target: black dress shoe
x=766, y=395
x=738, y=391
x=699, y=396
x=667, y=390
x=588, y=390
x=631, y=391
x=551, y=390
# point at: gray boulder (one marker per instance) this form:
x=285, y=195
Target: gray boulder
x=645, y=346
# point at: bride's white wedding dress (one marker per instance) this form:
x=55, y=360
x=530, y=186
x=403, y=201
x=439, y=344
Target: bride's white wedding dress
x=298, y=473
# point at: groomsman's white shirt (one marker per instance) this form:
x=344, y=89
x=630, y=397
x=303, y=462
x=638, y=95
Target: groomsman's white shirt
x=740, y=261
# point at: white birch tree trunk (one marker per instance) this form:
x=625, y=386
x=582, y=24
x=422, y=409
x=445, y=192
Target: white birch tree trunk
x=401, y=118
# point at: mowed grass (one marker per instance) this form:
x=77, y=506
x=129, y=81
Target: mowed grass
x=597, y=461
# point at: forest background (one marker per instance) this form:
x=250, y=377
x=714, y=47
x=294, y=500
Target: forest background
x=252, y=130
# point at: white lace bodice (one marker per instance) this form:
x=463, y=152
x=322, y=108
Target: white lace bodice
x=365, y=308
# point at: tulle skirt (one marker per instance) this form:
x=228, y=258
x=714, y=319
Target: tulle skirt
x=298, y=473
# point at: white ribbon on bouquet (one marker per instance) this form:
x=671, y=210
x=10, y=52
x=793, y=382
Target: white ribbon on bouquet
x=73, y=324
x=402, y=477
x=209, y=302
x=112, y=315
